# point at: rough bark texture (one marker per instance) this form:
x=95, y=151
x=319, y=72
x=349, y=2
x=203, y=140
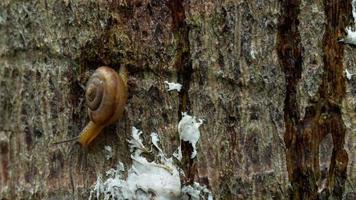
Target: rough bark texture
x=267, y=77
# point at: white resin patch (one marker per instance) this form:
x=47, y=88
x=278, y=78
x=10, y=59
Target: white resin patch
x=157, y=180
x=173, y=86
x=348, y=74
x=108, y=152
x=136, y=142
x=188, y=129
x=155, y=140
x=351, y=35
x=178, y=153
x=196, y=192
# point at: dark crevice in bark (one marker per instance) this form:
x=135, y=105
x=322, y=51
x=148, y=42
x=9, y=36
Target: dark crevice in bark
x=183, y=65
x=4, y=163
x=182, y=61
x=290, y=57
x=303, y=136
x=333, y=89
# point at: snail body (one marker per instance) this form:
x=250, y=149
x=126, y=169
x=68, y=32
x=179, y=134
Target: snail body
x=106, y=96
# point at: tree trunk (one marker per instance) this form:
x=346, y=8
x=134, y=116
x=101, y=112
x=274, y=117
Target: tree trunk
x=266, y=76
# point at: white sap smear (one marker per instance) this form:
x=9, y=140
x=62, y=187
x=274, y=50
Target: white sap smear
x=157, y=180
x=351, y=35
x=348, y=74
x=155, y=140
x=196, y=192
x=188, y=129
x=108, y=152
x=136, y=142
x=173, y=86
x=178, y=153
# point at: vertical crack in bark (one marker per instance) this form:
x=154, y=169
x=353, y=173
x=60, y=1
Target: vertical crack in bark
x=4, y=162
x=303, y=136
x=183, y=64
x=332, y=91
x=289, y=51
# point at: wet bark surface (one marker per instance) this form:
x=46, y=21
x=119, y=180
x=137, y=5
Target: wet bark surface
x=266, y=76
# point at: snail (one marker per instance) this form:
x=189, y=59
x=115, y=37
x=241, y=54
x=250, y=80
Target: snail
x=106, y=96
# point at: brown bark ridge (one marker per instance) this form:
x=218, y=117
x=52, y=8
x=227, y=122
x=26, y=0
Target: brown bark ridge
x=323, y=115
x=267, y=77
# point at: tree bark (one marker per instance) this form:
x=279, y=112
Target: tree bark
x=266, y=76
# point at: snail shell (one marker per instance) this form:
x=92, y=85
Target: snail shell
x=106, y=96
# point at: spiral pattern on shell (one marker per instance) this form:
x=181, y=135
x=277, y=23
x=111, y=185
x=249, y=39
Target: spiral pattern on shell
x=106, y=95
